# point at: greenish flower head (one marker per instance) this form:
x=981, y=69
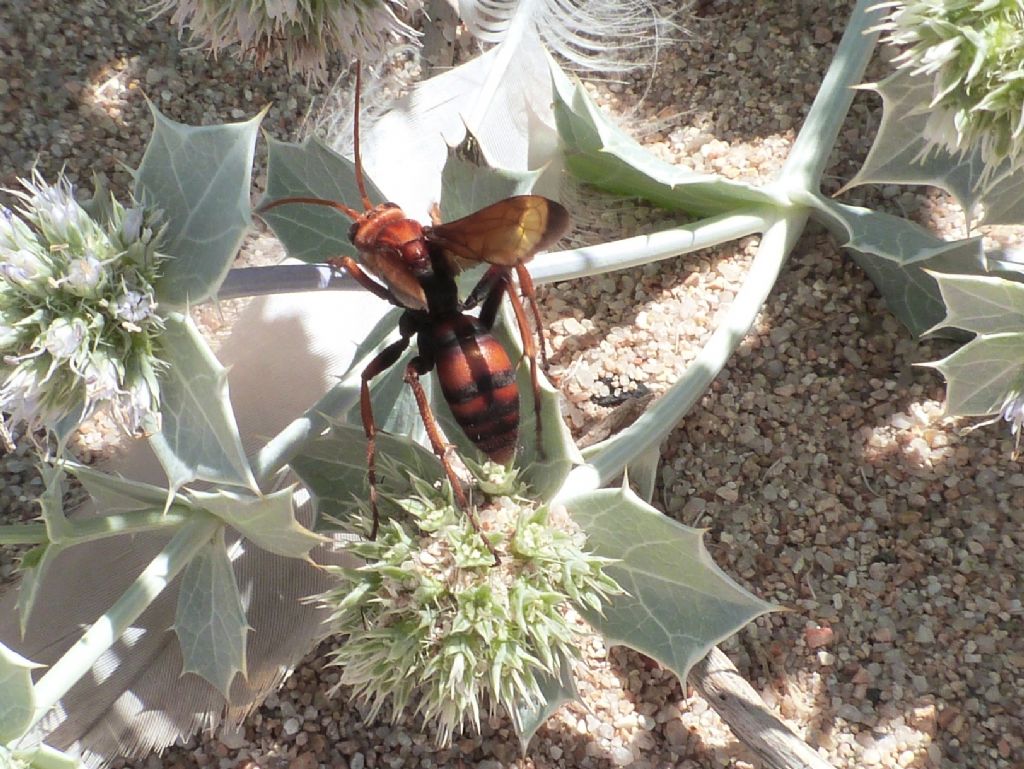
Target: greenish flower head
x=974, y=52
x=77, y=309
x=434, y=625
x=302, y=34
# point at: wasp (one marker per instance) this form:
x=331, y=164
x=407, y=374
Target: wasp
x=414, y=267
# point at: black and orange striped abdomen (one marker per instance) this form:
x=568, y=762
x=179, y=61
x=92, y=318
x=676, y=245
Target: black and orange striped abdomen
x=478, y=383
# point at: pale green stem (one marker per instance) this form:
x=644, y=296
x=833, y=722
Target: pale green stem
x=103, y=633
x=552, y=266
x=644, y=249
x=809, y=155
x=77, y=531
x=607, y=459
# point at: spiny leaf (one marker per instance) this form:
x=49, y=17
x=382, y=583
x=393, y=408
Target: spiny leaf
x=199, y=178
x=984, y=305
x=899, y=257
x=312, y=233
x=198, y=438
x=677, y=603
x=903, y=154
x=51, y=502
x=114, y=494
x=599, y=153
x=983, y=373
x=268, y=520
x=210, y=618
x=468, y=184
x=642, y=472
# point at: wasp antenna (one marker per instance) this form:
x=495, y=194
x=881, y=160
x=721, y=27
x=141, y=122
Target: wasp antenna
x=355, y=139
x=349, y=212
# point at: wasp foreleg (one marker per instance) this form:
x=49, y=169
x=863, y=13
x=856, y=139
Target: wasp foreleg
x=349, y=265
x=384, y=360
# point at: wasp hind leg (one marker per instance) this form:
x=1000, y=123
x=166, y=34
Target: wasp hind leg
x=417, y=367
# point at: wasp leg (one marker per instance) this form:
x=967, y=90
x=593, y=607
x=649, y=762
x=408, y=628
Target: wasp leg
x=530, y=293
x=349, y=265
x=501, y=284
x=417, y=367
x=384, y=360
x=500, y=274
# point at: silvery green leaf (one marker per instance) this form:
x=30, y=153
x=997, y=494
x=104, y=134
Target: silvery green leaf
x=468, y=184
x=268, y=520
x=199, y=177
x=599, y=153
x=210, y=618
x=902, y=153
x=557, y=690
x=1007, y=262
x=899, y=257
x=677, y=603
x=312, y=233
x=879, y=234
x=115, y=494
x=374, y=341
x=17, y=699
x=198, y=438
x=982, y=304
x=642, y=472
x=333, y=467
x=983, y=373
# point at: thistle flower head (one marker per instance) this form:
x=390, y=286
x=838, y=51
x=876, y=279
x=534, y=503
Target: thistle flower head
x=303, y=34
x=434, y=625
x=77, y=319
x=974, y=53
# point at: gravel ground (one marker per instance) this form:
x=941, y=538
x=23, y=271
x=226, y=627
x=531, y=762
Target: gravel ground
x=820, y=460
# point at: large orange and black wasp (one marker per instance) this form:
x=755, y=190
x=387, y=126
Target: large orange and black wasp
x=413, y=267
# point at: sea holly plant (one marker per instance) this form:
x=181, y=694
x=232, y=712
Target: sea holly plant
x=488, y=638
x=507, y=638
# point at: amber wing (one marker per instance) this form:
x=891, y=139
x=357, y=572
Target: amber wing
x=508, y=232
